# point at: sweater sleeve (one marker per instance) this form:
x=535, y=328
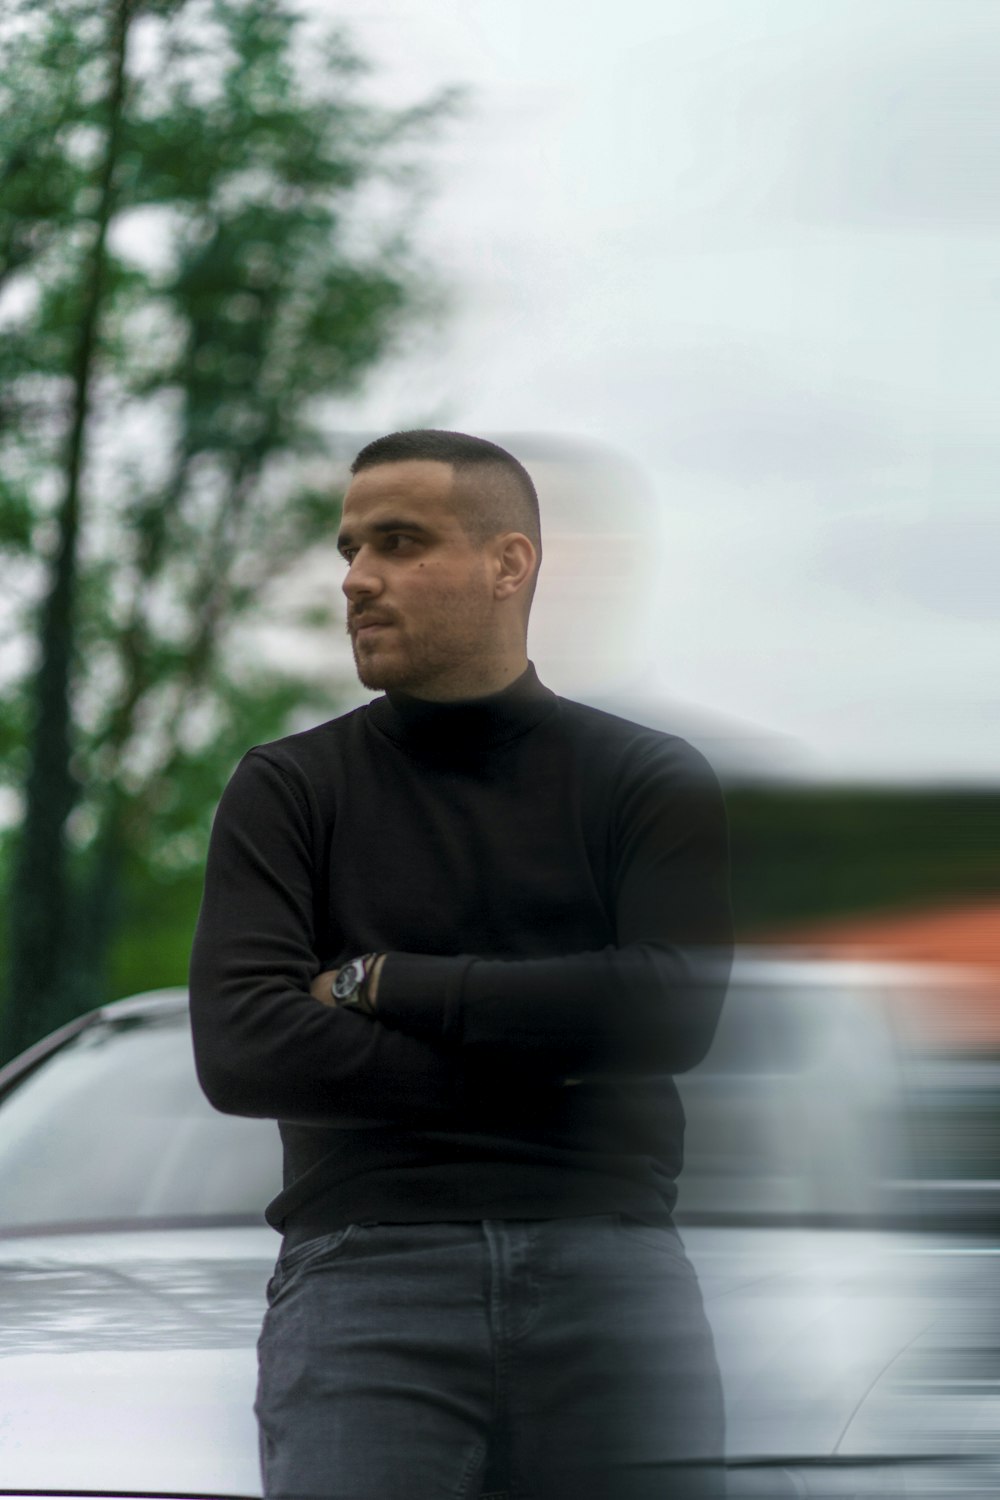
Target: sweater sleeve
x=263, y=1045
x=648, y=1004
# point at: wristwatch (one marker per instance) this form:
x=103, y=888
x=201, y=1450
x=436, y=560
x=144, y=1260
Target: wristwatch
x=349, y=988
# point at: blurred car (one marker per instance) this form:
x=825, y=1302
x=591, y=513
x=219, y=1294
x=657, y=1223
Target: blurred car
x=856, y=1359
x=836, y=1092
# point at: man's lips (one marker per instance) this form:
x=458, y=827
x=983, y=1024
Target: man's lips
x=363, y=623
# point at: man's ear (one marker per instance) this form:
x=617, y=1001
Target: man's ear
x=516, y=560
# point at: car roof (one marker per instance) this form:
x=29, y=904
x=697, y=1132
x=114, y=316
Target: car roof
x=164, y=1002
x=783, y=966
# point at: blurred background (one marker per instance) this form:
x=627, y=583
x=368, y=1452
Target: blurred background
x=721, y=276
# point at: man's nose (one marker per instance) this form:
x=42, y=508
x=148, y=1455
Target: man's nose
x=362, y=576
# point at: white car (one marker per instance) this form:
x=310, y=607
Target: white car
x=857, y=1360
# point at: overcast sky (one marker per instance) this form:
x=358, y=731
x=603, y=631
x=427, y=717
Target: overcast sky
x=745, y=254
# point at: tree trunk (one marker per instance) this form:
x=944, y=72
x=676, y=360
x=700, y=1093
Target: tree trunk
x=42, y=991
x=99, y=902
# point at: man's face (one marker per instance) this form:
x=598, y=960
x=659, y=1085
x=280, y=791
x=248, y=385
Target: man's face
x=420, y=604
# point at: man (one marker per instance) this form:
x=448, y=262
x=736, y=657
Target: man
x=456, y=942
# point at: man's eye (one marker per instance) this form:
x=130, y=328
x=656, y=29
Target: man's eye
x=348, y=554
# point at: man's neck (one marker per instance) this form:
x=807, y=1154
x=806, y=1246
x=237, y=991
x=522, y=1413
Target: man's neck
x=464, y=727
x=475, y=683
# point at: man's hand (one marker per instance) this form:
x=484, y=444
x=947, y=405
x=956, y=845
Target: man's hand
x=321, y=987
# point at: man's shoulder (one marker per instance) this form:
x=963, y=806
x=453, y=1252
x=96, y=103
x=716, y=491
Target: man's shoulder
x=306, y=750
x=629, y=737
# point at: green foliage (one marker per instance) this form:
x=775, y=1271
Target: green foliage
x=805, y=852
x=190, y=267
x=15, y=517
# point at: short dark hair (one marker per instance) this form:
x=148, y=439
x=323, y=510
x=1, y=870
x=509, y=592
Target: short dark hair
x=503, y=497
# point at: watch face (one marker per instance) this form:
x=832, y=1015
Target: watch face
x=348, y=980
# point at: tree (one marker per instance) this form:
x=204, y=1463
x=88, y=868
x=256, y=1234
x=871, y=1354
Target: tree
x=192, y=260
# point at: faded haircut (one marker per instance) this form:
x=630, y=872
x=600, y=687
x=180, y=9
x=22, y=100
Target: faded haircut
x=495, y=493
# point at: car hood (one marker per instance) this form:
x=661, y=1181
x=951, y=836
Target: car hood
x=127, y=1361
x=128, y=1364
x=851, y=1345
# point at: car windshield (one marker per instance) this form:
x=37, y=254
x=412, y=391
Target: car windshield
x=113, y=1126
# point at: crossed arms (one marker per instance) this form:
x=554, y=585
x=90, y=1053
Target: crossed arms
x=263, y=1046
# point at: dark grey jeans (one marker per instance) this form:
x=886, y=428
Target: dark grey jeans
x=557, y=1359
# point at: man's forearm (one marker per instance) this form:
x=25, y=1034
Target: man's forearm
x=262, y=1045
x=642, y=1008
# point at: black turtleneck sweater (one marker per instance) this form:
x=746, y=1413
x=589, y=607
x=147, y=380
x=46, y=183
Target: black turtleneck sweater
x=550, y=885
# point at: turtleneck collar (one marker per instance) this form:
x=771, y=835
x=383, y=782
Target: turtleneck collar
x=469, y=723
